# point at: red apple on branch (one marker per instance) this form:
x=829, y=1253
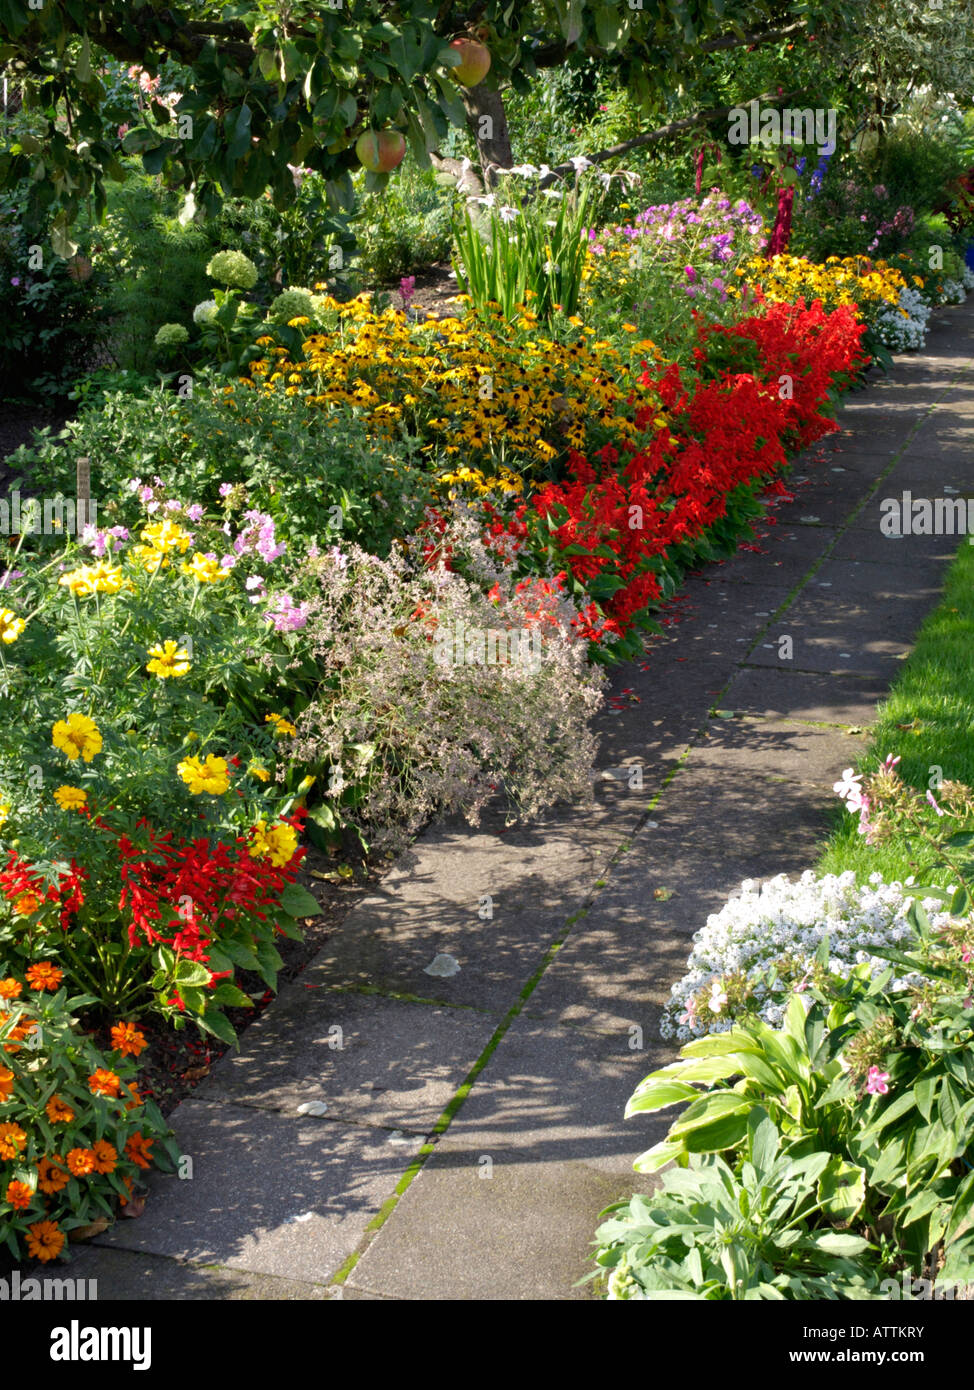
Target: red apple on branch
x=474, y=62
x=380, y=151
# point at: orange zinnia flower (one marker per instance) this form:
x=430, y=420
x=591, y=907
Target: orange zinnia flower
x=124, y=1201
x=19, y=1195
x=10, y=988
x=105, y=1156
x=12, y=1140
x=82, y=1162
x=103, y=1082
x=51, y=1177
x=136, y=1100
x=44, y=1240
x=139, y=1150
x=6, y=1083
x=44, y=975
x=58, y=1112
x=128, y=1039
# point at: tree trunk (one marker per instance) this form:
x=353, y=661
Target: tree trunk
x=487, y=123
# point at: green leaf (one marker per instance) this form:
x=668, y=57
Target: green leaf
x=764, y=1139
x=237, y=131
x=191, y=972
x=227, y=995
x=659, y=1096
x=658, y=1156
x=842, y=1189
x=220, y=1026
x=840, y=1243
x=298, y=902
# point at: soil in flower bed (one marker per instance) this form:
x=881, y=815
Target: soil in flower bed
x=434, y=289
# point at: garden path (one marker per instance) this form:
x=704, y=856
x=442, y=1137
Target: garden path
x=474, y=1124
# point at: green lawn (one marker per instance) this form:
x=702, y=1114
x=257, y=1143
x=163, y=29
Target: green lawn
x=928, y=719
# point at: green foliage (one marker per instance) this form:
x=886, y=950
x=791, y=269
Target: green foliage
x=404, y=228
x=754, y=1232
x=529, y=253
x=320, y=474
x=155, y=268
x=874, y=1083
x=258, y=94
x=54, y=311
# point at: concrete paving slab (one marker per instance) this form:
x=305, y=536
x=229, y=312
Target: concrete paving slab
x=801, y=695
x=431, y=903
x=132, y=1277
x=273, y=1194
x=545, y=1118
x=377, y=1061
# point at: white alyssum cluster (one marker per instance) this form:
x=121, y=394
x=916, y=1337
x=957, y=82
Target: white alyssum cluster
x=783, y=918
x=967, y=277
x=951, y=292
x=903, y=327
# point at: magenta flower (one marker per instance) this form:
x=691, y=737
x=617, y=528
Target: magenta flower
x=931, y=798
x=876, y=1082
x=194, y=512
x=285, y=614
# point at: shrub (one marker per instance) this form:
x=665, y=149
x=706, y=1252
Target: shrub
x=486, y=688
x=229, y=449
x=712, y=1232
x=155, y=267
x=53, y=311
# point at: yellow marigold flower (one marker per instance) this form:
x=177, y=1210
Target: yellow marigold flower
x=259, y=772
x=70, y=798
x=282, y=726
x=151, y=558
x=203, y=569
x=99, y=578
x=211, y=776
x=10, y=626
x=77, y=736
x=4, y=811
x=167, y=535
x=277, y=844
x=170, y=659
